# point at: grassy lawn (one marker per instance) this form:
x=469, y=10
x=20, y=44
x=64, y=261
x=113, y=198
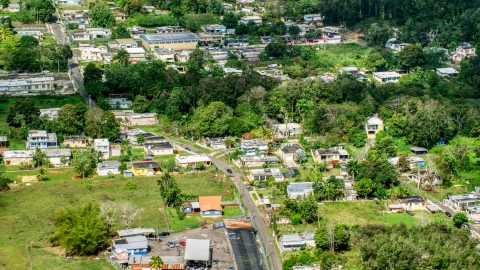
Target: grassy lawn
x=254, y=196
x=16, y=145
x=27, y=210
x=344, y=55
x=203, y=19
x=231, y=211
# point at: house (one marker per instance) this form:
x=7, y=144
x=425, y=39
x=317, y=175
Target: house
x=183, y=56
x=296, y=241
x=162, y=12
x=312, y=18
x=120, y=16
x=264, y=174
x=296, y=189
x=445, y=72
x=17, y=157
x=98, y=33
x=58, y=157
x=462, y=51
x=136, y=54
x=412, y=202
x=433, y=208
x=126, y=43
x=386, y=77
x=210, y=38
x=255, y=161
x=158, y=149
x=215, y=143
x=135, y=245
x=330, y=156
x=149, y=9
x=462, y=201
x=13, y=7
x=120, y=103
x=41, y=139
x=373, y=125
x=287, y=129
x=102, y=146
x=108, y=167
x=3, y=143
x=250, y=147
x=69, y=2
x=191, y=207
x=414, y=162
x=141, y=119
x=169, y=29
x=348, y=70
x=419, y=150
x=51, y=113
x=287, y=151
x=165, y=54
x=197, y=251
x=26, y=86
x=145, y=168
x=75, y=141
x=137, y=31
x=395, y=45
x=121, y=255
x=246, y=19
x=36, y=34
x=115, y=150
x=396, y=208
x=133, y=134
x=177, y=41
x=193, y=161
x=93, y=54
x=80, y=35
x=127, y=173
x=210, y=206
x=147, y=232
x=122, y=114
x=233, y=71
x=216, y=29
x=426, y=178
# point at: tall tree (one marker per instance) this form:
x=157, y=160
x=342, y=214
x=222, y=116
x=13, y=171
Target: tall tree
x=85, y=161
x=122, y=57
x=100, y=14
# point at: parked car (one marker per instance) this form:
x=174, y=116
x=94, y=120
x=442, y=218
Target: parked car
x=182, y=243
x=410, y=213
x=177, y=244
x=12, y=74
x=164, y=234
x=214, y=261
x=171, y=244
x=229, y=171
x=230, y=268
x=45, y=72
x=448, y=214
x=187, y=149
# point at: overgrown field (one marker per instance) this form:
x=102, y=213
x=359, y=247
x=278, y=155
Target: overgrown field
x=27, y=211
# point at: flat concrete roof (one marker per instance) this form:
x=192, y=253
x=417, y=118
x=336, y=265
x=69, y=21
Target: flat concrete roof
x=169, y=37
x=197, y=250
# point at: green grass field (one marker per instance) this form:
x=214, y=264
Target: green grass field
x=27, y=210
x=333, y=57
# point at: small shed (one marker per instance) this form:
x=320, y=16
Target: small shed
x=276, y=206
x=433, y=208
x=197, y=250
x=419, y=150
x=127, y=173
x=395, y=208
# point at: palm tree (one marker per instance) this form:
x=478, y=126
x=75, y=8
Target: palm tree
x=5, y=32
x=156, y=262
x=42, y=174
x=304, y=106
x=122, y=57
x=353, y=168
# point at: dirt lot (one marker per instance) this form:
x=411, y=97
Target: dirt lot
x=218, y=243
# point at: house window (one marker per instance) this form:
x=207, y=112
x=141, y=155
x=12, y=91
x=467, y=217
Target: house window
x=218, y=212
x=206, y=212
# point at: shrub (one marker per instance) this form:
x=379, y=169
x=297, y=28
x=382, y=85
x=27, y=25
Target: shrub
x=296, y=219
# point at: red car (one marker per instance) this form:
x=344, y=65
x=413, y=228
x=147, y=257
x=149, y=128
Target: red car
x=182, y=243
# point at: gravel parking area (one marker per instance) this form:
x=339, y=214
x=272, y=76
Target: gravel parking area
x=218, y=245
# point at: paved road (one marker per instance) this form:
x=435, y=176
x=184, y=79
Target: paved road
x=268, y=241
x=74, y=67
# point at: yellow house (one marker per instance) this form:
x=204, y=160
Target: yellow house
x=177, y=41
x=145, y=168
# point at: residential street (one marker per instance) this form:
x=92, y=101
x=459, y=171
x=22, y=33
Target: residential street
x=74, y=67
x=267, y=239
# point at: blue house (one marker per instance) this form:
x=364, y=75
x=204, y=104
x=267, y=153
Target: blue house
x=191, y=207
x=135, y=245
x=210, y=206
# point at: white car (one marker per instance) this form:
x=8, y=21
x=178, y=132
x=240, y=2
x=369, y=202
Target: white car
x=45, y=72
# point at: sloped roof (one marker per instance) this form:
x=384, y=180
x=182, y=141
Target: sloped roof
x=210, y=203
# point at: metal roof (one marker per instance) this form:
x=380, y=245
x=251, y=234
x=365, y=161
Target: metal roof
x=169, y=37
x=197, y=249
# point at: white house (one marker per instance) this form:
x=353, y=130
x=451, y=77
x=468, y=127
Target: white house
x=386, y=77
x=165, y=54
x=194, y=160
x=26, y=86
x=462, y=51
x=13, y=7
x=457, y=202
x=58, y=157
x=373, y=125
x=136, y=54
x=158, y=148
x=18, y=157
x=264, y=174
x=98, y=33
x=395, y=45
x=102, y=146
x=183, y=56
x=93, y=54
x=250, y=147
x=296, y=241
x=309, y=18
x=124, y=43
x=287, y=129
x=445, y=72
x=69, y=2
x=287, y=151
x=301, y=189
x=255, y=19
x=122, y=103
x=51, y=113
x=108, y=167
x=215, y=143
x=141, y=119
x=36, y=34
